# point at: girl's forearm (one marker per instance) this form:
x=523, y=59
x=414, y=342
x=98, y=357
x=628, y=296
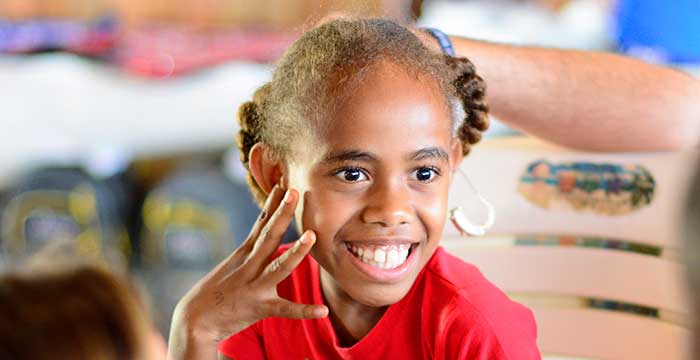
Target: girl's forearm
x=587, y=100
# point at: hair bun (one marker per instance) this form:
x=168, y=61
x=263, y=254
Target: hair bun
x=249, y=121
x=471, y=90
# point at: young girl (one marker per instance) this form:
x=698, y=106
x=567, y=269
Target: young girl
x=357, y=137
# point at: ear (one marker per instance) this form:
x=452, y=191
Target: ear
x=266, y=172
x=456, y=154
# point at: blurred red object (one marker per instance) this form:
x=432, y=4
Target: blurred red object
x=169, y=51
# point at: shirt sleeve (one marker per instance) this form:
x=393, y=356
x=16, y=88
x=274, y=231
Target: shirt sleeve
x=247, y=344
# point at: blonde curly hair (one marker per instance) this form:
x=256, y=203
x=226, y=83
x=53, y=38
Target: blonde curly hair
x=309, y=78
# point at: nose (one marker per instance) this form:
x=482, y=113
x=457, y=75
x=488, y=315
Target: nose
x=388, y=205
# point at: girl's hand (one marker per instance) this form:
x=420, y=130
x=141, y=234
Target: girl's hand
x=242, y=289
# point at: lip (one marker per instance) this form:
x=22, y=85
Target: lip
x=384, y=275
x=381, y=241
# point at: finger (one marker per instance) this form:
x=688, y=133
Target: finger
x=273, y=201
x=235, y=259
x=272, y=233
x=286, y=309
x=283, y=265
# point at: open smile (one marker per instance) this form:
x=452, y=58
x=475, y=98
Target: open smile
x=384, y=262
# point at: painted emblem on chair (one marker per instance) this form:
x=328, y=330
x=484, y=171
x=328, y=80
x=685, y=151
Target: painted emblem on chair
x=605, y=189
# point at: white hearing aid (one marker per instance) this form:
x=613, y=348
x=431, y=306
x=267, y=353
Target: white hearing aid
x=465, y=225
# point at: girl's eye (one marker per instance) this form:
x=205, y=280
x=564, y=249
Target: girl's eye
x=425, y=174
x=351, y=175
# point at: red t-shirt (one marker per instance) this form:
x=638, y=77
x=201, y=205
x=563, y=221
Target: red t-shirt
x=451, y=312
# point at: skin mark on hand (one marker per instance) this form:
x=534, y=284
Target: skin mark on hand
x=219, y=297
x=276, y=264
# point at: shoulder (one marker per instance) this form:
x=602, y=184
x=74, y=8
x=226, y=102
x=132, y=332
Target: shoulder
x=478, y=316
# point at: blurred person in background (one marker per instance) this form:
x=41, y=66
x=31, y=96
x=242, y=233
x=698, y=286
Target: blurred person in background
x=620, y=103
x=73, y=309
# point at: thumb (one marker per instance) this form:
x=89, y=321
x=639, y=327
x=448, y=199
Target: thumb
x=286, y=309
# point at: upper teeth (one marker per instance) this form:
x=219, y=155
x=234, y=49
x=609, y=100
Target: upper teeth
x=383, y=257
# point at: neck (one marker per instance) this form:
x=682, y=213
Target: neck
x=351, y=320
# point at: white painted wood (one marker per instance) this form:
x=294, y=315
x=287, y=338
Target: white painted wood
x=566, y=275
x=495, y=167
x=608, y=335
x=588, y=272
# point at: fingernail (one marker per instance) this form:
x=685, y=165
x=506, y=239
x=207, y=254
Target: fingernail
x=321, y=312
x=288, y=196
x=298, y=243
x=304, y=238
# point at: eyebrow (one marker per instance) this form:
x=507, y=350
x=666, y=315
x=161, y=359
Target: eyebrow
x=348, y=155
x=430, y=153
x=358, y=155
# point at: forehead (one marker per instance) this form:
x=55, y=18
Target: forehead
x=389, y=109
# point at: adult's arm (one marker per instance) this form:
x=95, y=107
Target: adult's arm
x=588, y=100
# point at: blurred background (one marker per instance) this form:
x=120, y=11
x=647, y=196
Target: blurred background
x=117, y=117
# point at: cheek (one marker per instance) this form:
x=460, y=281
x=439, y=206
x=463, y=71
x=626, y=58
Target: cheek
x=433, y=213
x=325, y=212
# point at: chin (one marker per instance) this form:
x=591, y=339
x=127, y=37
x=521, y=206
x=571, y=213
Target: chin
x=376, y=295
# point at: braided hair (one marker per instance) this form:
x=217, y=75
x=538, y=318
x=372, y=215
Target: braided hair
x=317, y=69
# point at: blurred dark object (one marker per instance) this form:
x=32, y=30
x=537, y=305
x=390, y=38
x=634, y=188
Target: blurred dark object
x=66, y=204
x=191, y=221
x=666, y=32
x=195, y=218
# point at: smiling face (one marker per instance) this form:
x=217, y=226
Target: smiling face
x=374, y=184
